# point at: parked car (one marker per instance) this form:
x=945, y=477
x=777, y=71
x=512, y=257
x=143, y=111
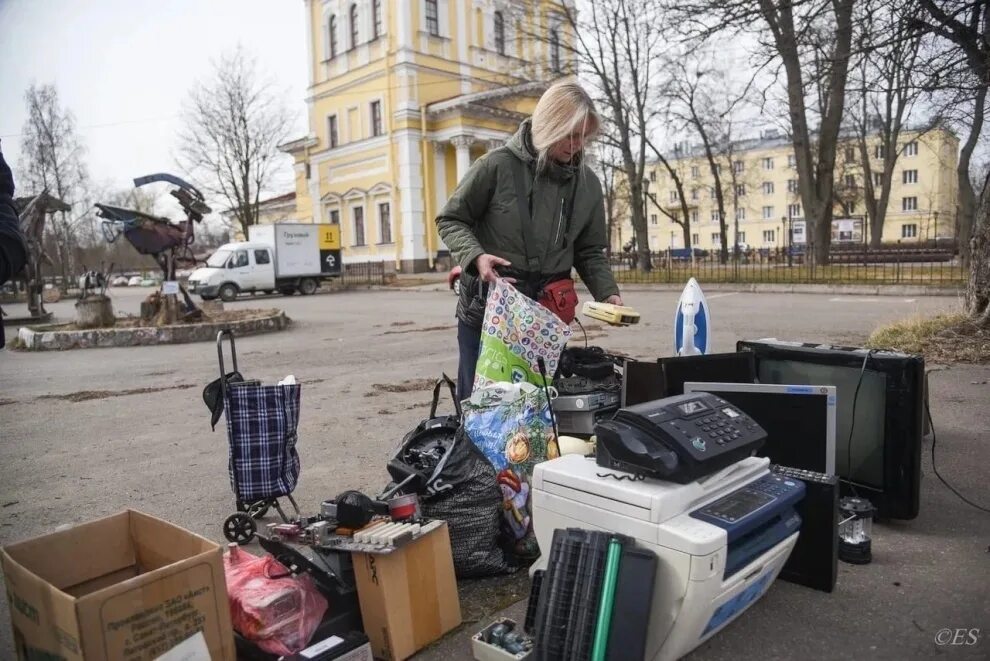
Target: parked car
x=135, y=281
x=684, y=254
x=119, y=281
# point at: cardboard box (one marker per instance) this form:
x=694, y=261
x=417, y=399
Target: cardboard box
x=129, y=587
x=408, y=597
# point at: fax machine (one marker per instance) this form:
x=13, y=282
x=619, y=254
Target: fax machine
x=720, y=539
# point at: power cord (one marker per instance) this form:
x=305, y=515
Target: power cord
x=583, y=331
x=852, y=423
x=951, y=488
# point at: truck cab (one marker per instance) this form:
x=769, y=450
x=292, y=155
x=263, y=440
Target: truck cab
x=235, y=268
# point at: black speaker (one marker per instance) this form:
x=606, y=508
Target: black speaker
x=814, y=560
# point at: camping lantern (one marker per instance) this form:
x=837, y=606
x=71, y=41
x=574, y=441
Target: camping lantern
x=855, y=530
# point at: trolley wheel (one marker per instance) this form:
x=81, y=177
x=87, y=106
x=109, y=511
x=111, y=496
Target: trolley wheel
x=239, y=528
x=255, y=510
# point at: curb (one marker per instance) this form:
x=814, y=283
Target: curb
x=56, y=340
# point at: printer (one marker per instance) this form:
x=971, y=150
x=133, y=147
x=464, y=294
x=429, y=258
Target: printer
x=720, y=538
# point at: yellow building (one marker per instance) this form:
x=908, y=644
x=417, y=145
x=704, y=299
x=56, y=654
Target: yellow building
x=760, y=188
x=403, y=96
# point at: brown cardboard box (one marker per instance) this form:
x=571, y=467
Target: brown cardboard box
x=127, y=587
x=408, y=597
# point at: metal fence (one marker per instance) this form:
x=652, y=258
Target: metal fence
x=780, y=266
x=364, y=273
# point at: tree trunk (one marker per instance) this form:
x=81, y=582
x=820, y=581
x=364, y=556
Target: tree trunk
x=967, y=196
x=978, y=289
x=639, y=223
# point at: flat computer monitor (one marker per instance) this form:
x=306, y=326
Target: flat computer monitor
x=642, y=381
x=799, y=420
x=739, y=367
x=879, y=414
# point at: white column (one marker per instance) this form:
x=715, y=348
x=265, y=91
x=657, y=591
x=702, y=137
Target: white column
x=439, y=181
x=462, y=145
x=411, y=182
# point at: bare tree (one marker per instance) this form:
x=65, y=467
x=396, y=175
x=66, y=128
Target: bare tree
x=616, y=44
x=966, y=26
x=884, y=89
x=51, y=161
x=812, y=41
x=233, y=126
x=684, y=218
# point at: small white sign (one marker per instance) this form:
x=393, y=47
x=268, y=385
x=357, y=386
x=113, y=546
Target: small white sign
x=191, y=649
x=170, y=287
x=321, y=647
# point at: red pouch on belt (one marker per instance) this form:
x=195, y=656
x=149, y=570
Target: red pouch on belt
x=561, y=298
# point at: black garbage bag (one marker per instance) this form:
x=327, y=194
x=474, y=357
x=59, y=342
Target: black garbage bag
x=464, y=493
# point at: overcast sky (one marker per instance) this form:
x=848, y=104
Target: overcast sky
x=123, y=67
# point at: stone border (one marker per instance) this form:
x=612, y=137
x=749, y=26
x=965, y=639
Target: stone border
x=56, y=340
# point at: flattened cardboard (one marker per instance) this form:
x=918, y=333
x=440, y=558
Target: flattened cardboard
x=129, y=586
x=408, y=597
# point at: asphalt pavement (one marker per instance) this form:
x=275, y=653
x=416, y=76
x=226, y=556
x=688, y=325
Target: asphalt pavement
x=86, y=433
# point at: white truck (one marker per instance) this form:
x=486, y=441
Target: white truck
x=287, y=257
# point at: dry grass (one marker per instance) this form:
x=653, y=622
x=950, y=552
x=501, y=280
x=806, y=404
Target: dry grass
x=946, y=338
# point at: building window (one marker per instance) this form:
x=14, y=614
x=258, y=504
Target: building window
x=911, y=148
x=376, y=11
x=385, y=222
x=769, y=236
x=376, y=118
x=909, y=204
x=673, y=196
x=768, y=188
x=716, y=237
x=358, y=213
x=850, y=155
x=740, y=190
x=653, y=176
x=335, y=217
x=716, y=217
x=792, y=185
x=909, y=231
x=737, y=166
x=432, y=18
x=354, y=26
x=695, y=239
x=740, y=214
x=767, y=213
x=794, y=210
x=878, y=179
x=332, y=137
x=880, y=152
x=653, y=219
x=332, y=30
x=740, y=237
x=694, y=215
x=694, y=193
x=851, y=208
x=499, y=33
x=850, y=181
x=711, y=193
x=910, y=176
x=309, y=172
x=554, y=51
x=262, y=257
x=768, y=164
x=791, y=161
x=695, y=171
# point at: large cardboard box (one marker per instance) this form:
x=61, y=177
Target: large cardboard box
x=408, y=597
x=128, y=587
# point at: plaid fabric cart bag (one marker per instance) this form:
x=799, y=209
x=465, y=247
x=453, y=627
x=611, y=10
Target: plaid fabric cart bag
x=262, y=460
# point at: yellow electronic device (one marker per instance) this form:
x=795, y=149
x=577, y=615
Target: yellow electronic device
x=616, y=315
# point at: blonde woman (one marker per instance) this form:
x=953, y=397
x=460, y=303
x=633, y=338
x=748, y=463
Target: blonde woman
x=534, y=238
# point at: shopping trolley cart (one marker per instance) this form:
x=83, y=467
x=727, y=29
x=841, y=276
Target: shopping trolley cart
x=261, y=438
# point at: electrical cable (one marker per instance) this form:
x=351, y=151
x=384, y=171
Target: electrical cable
x=852, y=423
x=583, y=331
x=951, y=488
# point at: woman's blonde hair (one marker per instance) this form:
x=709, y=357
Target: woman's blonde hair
x=562, y=109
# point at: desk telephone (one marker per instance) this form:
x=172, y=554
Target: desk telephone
x=678, y=439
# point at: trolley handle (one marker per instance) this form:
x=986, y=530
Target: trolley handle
x=233, y=358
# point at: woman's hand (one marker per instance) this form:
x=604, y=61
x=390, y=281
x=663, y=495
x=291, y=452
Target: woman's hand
x=614, y=299
x=486, y=264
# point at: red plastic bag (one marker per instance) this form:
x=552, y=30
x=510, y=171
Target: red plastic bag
x=269, y=606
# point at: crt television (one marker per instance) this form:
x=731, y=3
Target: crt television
x=881, y=460
x=799, y=420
